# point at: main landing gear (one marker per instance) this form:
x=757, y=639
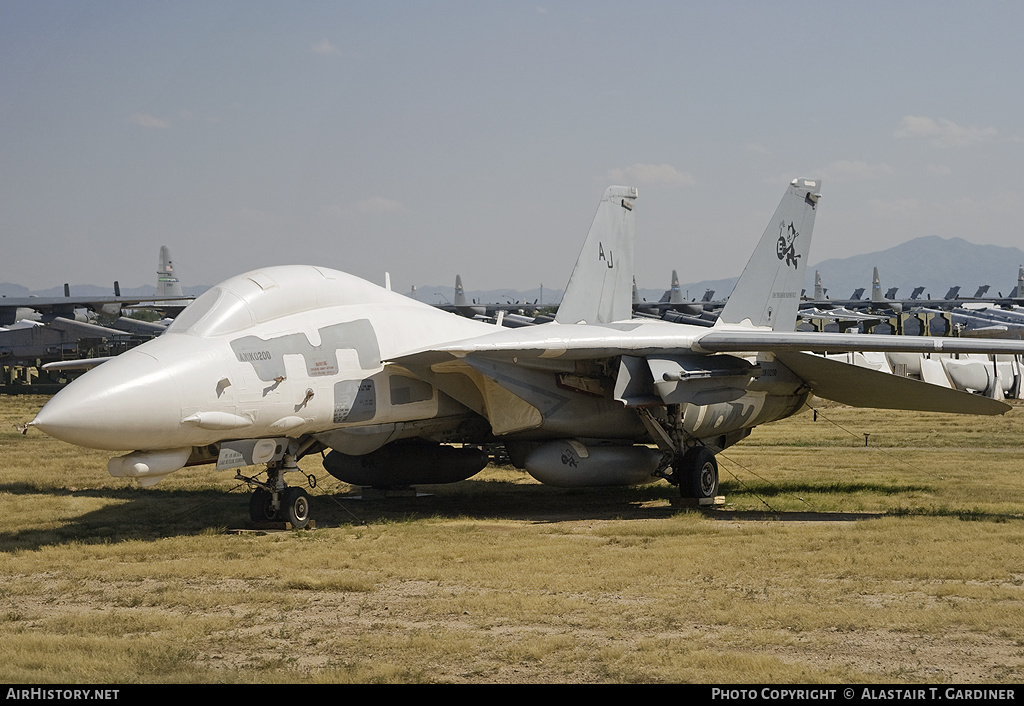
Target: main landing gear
x=697, y=471
x=274, y=501
x=692, y=468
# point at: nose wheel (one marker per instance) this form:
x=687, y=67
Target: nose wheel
x=261, y=506
x=295, y=507
x=274, y=501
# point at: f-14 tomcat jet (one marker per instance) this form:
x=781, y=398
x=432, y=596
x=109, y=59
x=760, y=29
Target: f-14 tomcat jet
x=281, y=362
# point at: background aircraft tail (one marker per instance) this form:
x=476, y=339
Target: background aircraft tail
x=819, y=288
x=876, y=286
x=768, y=292
x=675, y=293
x=167, y=285
x=600, y=289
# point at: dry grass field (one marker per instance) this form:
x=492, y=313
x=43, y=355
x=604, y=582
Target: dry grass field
x=900, y=561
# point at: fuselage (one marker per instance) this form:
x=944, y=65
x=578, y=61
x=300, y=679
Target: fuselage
x=283, y=351
x=297, y=351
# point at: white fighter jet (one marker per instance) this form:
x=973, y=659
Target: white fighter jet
x=281, y=362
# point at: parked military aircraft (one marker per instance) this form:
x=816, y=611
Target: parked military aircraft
x=14, y=309
x=984, y=321
x=45, y=309
x=878, y=302
x=167, y=285
x=673, y=302
x=821, y=292
x=460, y=305
x=474, y=309
x=57, y=340
x=821, y=299
x=285, y=361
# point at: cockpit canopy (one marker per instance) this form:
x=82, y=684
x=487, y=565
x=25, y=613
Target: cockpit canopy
x=217, y=311
x=263, y=295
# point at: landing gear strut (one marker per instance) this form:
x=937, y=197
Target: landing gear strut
x=274, y=501
x=693, y=469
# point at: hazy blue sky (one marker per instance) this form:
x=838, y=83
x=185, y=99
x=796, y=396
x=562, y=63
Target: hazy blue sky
x=435, y=138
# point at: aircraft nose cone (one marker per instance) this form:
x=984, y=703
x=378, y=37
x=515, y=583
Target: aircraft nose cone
x=130, y=402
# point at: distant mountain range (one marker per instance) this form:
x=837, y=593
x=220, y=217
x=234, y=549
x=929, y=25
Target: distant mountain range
x=91, y=290
x=929, y=261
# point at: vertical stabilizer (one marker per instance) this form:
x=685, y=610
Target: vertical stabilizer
x=600, y=288
x=675, y=294
x=460, y=293
x=1020, y=283
x=876, y=286
x=768, y=292
x=819, y=288
x=167, y=284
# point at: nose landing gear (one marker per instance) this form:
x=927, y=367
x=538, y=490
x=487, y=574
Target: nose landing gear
x=274, y=501
x=292, y=507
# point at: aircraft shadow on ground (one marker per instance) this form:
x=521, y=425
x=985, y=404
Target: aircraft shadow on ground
x=835, y=488
x=127, y=514
x=153, y=513
x=133, y=514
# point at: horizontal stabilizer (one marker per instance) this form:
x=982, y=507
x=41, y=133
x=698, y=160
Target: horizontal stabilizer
x=863, y=387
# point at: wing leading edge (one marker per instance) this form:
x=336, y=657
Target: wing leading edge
x=580, y=342
x=556, y=348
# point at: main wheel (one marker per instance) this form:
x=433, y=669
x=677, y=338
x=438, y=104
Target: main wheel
x=699, y=474
x=261, y=506
x=295, y=507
